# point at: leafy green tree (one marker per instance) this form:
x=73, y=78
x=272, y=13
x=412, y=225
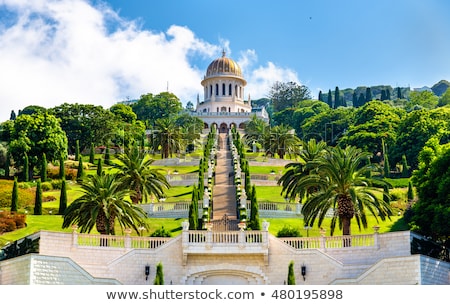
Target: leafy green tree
x=124, y=112
x=44, y=165
x=15, y=196
x=38, y=199
x=291, y=274
x=445, y=98
x=159, y=278
x=341, y=184
x=374, y=122
x=63, y=198
x=151, y=107
x=86, y=123
x=329, y=125
x=103, y=201
x=431, y=213
x=422, y=99
x=34, y=135
x=137, y=174
x=286, y=95
x=415, y=129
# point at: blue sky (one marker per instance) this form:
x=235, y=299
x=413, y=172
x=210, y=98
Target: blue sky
x=100, y=52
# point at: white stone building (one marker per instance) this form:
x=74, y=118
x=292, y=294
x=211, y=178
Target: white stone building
x=224, y=103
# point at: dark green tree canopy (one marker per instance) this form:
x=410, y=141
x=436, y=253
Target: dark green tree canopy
x=151, y=107
x=86, y=123
x=35, y=135
x=285, y=95
x=432, y=180
x=373, y=122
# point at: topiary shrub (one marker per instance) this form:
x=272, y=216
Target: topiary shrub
x=161, y=232
x=46, y=186
x=289, y=231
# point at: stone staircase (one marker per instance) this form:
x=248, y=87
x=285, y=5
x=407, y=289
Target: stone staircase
x=224, y=214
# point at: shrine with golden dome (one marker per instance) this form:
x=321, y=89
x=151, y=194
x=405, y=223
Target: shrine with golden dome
x=224, y=104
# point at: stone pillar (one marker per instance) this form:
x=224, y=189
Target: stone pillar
x=322, y=239
x=74, y=236
x=127, y=238
x=375, y=237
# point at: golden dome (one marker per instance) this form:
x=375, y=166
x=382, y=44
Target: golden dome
x=223, y=66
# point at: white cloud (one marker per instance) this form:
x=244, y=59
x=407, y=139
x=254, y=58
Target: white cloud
x=262, y=78
x=56, y=51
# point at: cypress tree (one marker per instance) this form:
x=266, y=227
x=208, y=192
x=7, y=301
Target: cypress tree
x=330, y=99
x=80, y=172
x=361, y=99
x=77, y=149
x=410, y=193
x=368, y=94
x=386, y=196
x=38, y=199
x=337, y=97
x=399, y=93
x=383, y=95
x=12, y=117
x=26, y=168
x=388, y=94
x=7, y=164
x=405, y=167
x=44, y=167
x=159, y=278
x=62, y=169
x=354, y=99
x=320, y=96
x=193, y=210
x=63, y=198
x=15, y=196
x=99, y=166
x=92, y=154
x=291, y=274
x=254, y=211
x=107, y=156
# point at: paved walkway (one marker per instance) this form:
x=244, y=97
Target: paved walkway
x=224, y=191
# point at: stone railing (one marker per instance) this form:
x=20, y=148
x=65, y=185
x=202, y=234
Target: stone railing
x=225, y=242
x=333, y=242
x=117, y=241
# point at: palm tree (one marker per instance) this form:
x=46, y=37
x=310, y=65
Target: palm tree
x=342, y=185
x=104, y=201
x=136, y=174
x=169, y=137
x=281, y=140
x=309, y=153
x=255, y=129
